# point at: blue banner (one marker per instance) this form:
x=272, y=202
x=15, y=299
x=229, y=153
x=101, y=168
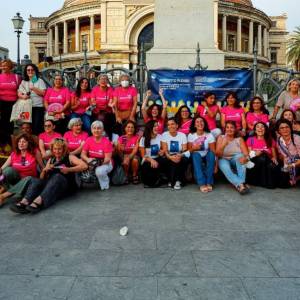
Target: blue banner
x=188, y=87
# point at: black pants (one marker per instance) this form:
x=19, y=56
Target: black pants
x=5, y=110
x=109, y=122
x=152, y=176
x=38, y=120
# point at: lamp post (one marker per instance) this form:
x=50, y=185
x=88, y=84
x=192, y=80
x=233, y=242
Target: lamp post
x=18, y=23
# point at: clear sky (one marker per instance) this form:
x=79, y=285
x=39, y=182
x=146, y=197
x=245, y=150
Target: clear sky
x=8, y=38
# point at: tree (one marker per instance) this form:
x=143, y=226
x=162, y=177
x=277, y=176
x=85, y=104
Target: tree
x=293, y=52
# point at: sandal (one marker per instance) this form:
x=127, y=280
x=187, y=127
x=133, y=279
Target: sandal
x=34, y=209
x=209, y=188
x=203, y=189
x=242, y=189
x=135, y=180
x=19, y=208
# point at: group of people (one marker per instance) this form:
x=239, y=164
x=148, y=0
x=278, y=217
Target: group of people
x=91, y=135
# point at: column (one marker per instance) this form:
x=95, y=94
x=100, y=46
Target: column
x=103, y=22
x=224, y=33
x=266, y=46
x=77, y=35
x=216, y=26
x=50, y=42
x=56, y=40
x=65, y=37
x=239, y=35
x=92, y=35
x=259, y=41
x=250, y=50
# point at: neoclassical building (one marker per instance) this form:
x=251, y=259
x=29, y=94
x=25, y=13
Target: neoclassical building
x=111, y=31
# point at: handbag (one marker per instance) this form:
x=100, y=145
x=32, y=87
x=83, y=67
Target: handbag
x=118, y=176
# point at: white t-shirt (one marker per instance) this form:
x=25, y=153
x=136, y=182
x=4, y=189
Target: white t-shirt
x=154, y=148
x=204, y=140
x=174, y=142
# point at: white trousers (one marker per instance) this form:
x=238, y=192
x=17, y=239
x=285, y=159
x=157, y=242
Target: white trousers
x=101, y=174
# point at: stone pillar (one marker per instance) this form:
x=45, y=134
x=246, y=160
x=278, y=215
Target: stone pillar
x=250, y=50
x=77, y=35
x=92, y=35
x=56, y=40
x=65, y=37
x=259, y=41
x=50, y=42
x=239, y=35
x=266, y=46
x=224, y=33
x=216, y=23
x=103, y=22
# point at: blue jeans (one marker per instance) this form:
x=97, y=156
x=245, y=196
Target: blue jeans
x=233, y=170
x=204, y=168
x=86, y=121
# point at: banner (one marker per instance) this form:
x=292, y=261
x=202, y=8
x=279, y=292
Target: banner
x=188, y=86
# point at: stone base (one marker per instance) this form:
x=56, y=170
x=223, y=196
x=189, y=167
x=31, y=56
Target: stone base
x=182, y=59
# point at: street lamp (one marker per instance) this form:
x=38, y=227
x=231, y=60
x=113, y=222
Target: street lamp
x=18, y=23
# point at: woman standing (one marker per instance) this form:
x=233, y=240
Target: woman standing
x=184, y=119
x=174, y=146
x=202, y=145
x=32, y=87
x=233, y=155
x=9, y=83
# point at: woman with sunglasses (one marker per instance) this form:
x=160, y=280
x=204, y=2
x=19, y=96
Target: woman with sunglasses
x=46, y=138
x=57, y=180
x=32, y=87
x=184, y=119
x=19, y=168
x=80, y=103
x=155, y=112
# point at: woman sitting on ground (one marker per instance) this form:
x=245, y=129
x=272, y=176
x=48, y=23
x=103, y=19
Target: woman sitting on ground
x=184, y=119
x=56, y=180
x=288, y=145
x=209, y=110
x=202, y=145
x=151, y=153
x=233, y=155
x=75, y=138
x=19, y=168
x=174, y=146
x=98, y=150
x=155, y=112
x=290, y=115
x=262, y=150
x=127, y=149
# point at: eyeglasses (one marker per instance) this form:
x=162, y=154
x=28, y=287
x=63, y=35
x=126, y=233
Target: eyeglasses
x=284, y=127
x=23, y=161
x=30, y=70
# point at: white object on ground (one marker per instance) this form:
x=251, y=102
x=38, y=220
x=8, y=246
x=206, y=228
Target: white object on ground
x=124, y=231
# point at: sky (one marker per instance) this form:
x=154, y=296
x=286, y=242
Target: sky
x=40, y=8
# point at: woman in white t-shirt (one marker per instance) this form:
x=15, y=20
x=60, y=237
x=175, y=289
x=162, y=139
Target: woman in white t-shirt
x=151, y=153
x=174, y=146
x=32, y=87
x=202, y=145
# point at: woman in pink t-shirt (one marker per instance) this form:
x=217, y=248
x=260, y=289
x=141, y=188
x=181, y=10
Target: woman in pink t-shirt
x=155, y=112
x=257, y=113
x=19, y=168
x=102, y=99
x=60, y=96
x=46, y=138
x=97, y=151
x=262, y=150
x=234, y=112
x=127, y=149
x=81, y=103
x=184, y=119
x=9, y=84
x=209, y=110
x=75, y=137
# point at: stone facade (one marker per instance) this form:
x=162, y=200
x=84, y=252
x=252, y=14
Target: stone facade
x=4, y=53
x=113, y=30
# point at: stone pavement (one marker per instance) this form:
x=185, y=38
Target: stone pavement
x=181, y=245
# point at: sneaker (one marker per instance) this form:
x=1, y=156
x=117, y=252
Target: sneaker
x=177, y=185
x=169, y=184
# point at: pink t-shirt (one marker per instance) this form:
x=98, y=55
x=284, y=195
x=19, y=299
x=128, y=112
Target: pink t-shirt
x=259, y=145
x=9, y=84
x=102, y=98
x=74, y=141
x=125, y=97
x=160, y=122
x=26, y=166
x=129, y=143
x=185, y=127
x=61, y=96
x=253, y=118
x=202, y=111
x=98, y=149
x=84, y=102
x=47, y=139
x=233, y=114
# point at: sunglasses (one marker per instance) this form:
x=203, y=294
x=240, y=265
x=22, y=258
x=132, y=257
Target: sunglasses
x=23, y=161
x=47, y=125
x=59, y=139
